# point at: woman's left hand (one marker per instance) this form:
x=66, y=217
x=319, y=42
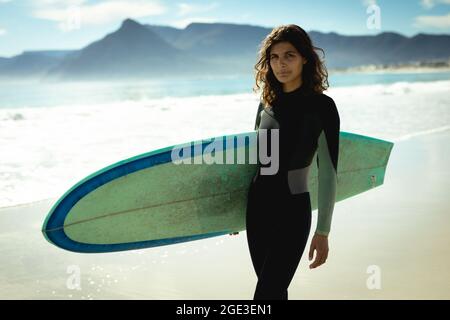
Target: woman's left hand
x=319, y=243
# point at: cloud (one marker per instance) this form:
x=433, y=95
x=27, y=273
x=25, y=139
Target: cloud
x=48, y=4
x=94, y=14
x=186, y=9
x=428, y=4
x=439, y=22
x=367, y=3
x=2, y=32
x=184, y=22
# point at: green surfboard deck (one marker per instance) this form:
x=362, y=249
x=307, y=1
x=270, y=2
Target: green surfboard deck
x=149, y=206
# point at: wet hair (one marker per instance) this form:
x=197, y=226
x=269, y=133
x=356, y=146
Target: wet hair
x=314, y=74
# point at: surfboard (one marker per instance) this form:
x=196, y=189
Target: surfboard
x=159, y=198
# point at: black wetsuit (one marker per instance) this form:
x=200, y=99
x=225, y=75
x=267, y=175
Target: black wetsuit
x=279, y=208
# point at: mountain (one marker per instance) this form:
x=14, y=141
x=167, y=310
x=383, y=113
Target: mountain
x=32, y=63
x=212, y=41
x=136, y=50
x=214, y=38
x=232, y=46
x=3, y=61
x=384, y=48
x=170, y=34
x=424, y=47
x=131, y=51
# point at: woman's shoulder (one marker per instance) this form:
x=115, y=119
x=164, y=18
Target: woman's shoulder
x=325, y=103
x=327, y=109
x=324, y=99
x=268, y=108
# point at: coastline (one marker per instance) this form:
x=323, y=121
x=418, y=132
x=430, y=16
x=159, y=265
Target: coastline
x=399, y=227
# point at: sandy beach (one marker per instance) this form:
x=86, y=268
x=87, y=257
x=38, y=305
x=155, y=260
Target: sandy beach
x=399, y=229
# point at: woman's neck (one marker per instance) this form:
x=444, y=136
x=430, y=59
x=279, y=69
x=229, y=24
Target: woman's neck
x=289, y=87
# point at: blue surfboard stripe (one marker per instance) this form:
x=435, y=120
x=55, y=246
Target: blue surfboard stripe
x=58, y=216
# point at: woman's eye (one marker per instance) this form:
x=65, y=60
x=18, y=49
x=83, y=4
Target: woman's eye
x=288, y=55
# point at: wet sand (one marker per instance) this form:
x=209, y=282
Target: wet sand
x=400, y=229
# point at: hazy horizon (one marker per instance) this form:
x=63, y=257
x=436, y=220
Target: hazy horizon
x=66, y=25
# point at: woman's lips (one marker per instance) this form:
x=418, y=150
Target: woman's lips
x=284, y=73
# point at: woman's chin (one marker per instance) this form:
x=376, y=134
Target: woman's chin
x=283, y=80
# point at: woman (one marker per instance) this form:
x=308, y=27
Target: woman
x=306, y=122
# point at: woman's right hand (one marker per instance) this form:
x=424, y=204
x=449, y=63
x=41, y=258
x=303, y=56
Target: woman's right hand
x=319, y=243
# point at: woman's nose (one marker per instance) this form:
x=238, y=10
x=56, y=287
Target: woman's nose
x=281, y=62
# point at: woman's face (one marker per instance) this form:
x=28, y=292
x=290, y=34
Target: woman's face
x=287, y=64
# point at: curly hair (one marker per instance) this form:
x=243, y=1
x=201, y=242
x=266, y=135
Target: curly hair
x=314, y=74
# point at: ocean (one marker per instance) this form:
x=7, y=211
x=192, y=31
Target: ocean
x=54, y=134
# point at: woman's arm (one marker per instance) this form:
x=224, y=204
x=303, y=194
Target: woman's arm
x=258, y=115
x=327, y=161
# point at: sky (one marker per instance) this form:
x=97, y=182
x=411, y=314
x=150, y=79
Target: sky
x=73, y=24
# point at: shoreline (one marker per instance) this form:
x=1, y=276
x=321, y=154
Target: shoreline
x=421, y=67
x=331, y=71
x=399, y=226
x=407, y=137
x=391, y=71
